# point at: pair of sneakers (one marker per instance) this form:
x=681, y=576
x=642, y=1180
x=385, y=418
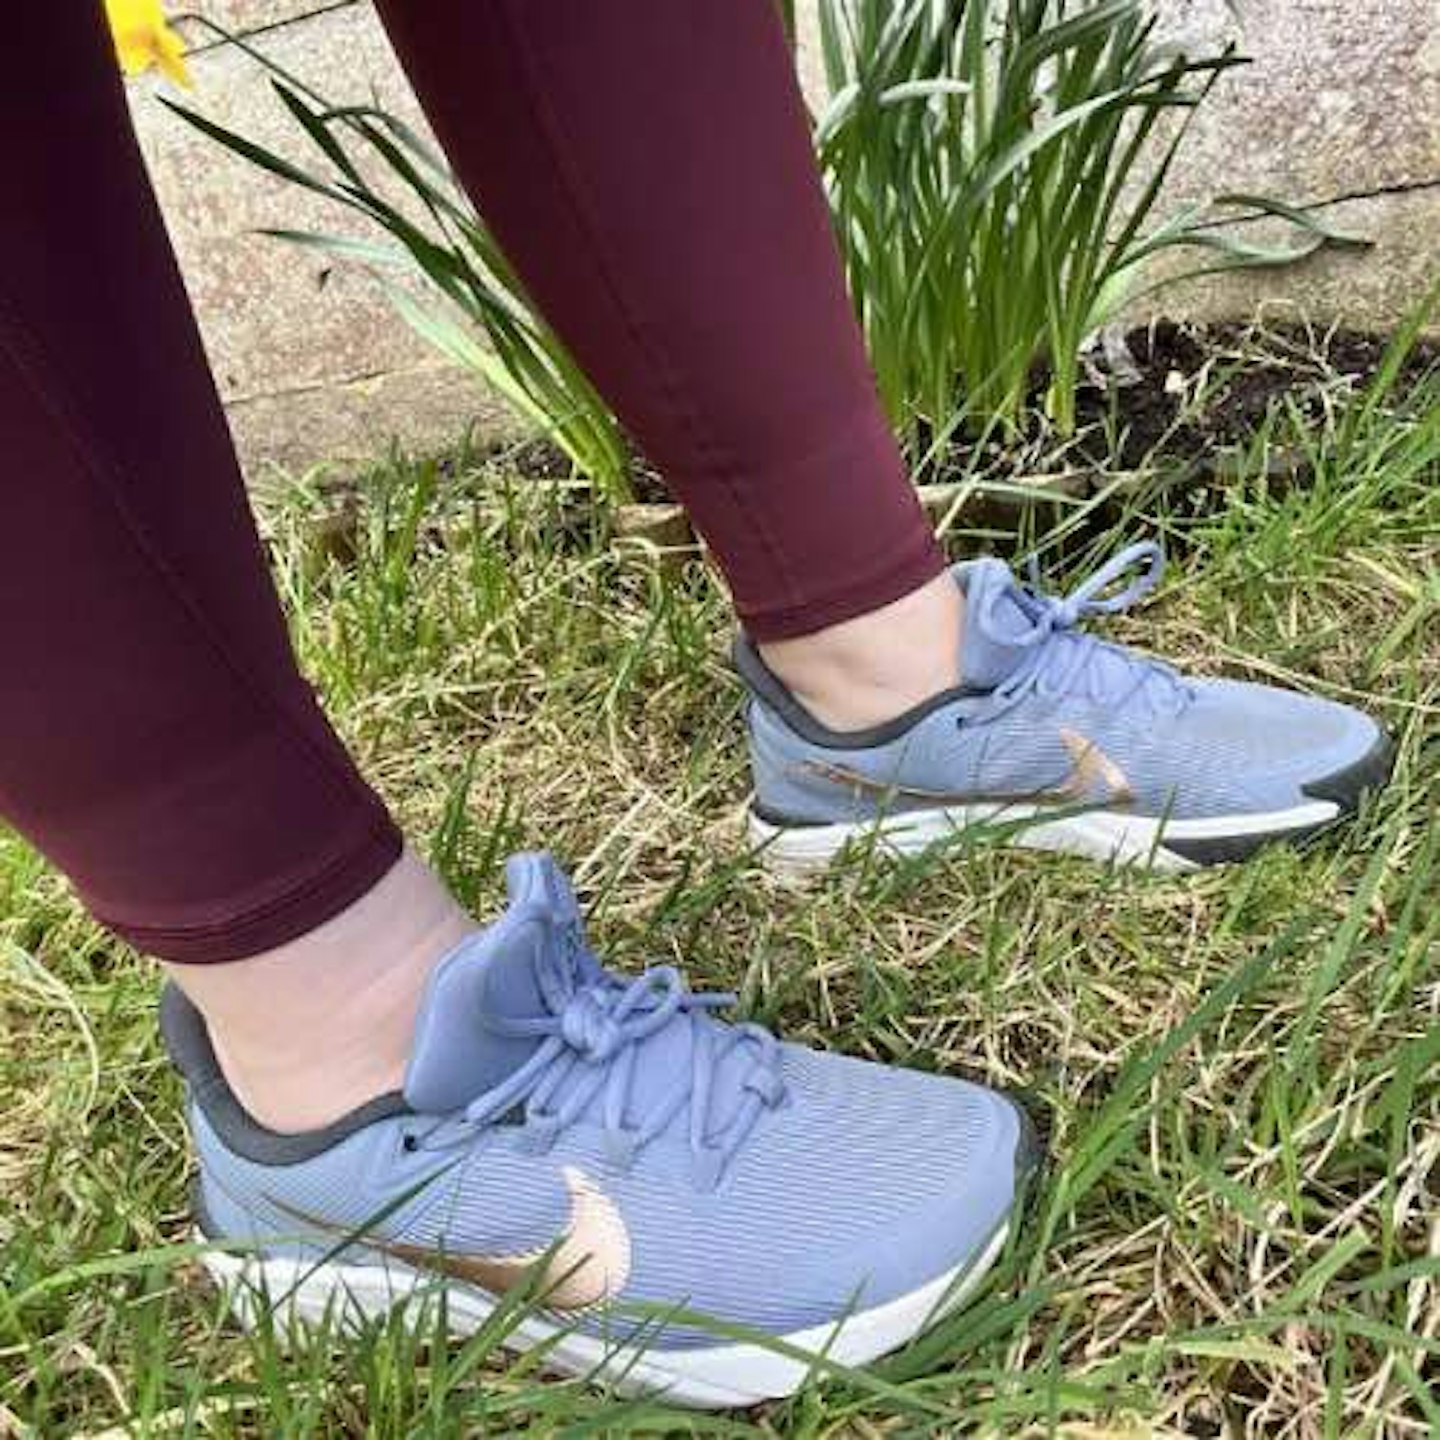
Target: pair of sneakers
x=635, y=1164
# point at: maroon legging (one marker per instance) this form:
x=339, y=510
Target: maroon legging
x=647, y=168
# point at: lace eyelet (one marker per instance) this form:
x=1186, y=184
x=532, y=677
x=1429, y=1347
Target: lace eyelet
x=538, y=1133
x=409, y=1143
x=767, y=1085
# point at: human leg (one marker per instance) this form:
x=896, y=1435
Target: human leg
x=157, y=741
x=202, y=805
x=651, y=177
x=653, y=183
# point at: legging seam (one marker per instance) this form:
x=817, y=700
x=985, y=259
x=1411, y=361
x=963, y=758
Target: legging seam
x=16, y=337
x=918, y=556
x=841, y=436
x=251, y=916
x=728, y=469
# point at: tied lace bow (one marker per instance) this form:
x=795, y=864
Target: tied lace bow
x=1060, y=654
x=592, y=1045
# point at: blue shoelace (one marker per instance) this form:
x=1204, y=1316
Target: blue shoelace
x=1062, y=657
x=593, y=1040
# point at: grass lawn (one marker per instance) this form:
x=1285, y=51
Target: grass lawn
x=1238, y=1072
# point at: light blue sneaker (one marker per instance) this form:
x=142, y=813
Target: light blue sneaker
x=1072, y=742
x=610, y=1144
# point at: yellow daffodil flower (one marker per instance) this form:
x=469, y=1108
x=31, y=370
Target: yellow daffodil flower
x=143, y=38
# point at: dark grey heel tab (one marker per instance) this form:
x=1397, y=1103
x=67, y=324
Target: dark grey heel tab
x=769, y=689
x=182, y=1027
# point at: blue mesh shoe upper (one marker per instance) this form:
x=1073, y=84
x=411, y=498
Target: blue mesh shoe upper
x=672, y=1158
x=1053, y=715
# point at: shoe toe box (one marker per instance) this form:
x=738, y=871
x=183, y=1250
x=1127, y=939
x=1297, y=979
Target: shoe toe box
x=1285, y=748
x=922, y=1173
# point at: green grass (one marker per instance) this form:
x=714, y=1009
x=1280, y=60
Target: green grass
x=1238, y=1072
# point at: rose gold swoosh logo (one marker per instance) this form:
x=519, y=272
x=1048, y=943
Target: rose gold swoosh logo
x=590, y=1262
x=1094, y=778
x=1092, y=771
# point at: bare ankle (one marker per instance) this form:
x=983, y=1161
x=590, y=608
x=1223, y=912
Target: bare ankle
x=308, y=1031
x=876, y=666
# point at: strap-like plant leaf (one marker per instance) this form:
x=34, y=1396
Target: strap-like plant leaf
x=488, y=324
x=1002, y=202
x=992, y=169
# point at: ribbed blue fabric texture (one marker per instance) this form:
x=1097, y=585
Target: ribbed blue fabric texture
x=843, y=1183
x=1043, y=688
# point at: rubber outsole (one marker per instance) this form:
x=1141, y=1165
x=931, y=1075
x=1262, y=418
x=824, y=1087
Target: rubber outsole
x=304, y=1294
x=1106, y=835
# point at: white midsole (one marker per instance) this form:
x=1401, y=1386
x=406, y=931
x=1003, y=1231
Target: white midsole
x=712, y=1377
x=1110, y=835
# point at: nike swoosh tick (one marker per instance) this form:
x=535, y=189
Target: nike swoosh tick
x=589, y=1263
x=1091, y=771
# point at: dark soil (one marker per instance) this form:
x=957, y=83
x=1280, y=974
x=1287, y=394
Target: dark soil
x=1170, y=403
x=1198, y=390
x=534, y=460
x=1175, y=397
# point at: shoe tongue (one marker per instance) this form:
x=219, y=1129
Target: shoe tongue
x=496, y=974
x=493, y=974
x=988, y=657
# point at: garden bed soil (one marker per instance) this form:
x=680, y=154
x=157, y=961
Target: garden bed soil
x=1174, y=404
x=1231, y=376
x=1181, y=397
